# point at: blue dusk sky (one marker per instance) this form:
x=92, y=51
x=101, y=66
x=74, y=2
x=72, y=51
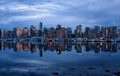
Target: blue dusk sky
x=23, y=13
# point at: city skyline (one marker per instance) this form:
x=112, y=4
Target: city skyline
x=60, y=37
x=95, y=33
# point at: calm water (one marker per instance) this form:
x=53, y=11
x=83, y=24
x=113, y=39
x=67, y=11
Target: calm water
x=59, y=59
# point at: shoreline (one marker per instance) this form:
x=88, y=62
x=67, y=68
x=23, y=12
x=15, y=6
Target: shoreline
x=40, y=39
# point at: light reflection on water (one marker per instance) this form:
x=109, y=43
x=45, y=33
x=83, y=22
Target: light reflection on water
x=64, y=59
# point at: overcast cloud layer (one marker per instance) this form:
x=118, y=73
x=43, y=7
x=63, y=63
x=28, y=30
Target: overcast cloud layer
x=53, y=12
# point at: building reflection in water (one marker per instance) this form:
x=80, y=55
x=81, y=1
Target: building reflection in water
x=60, y=47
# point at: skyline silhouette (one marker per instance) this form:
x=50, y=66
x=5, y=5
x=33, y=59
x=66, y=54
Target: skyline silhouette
x=95, y=33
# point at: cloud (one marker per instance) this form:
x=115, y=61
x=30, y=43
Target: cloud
x=20, y=12
x=26, y=17
x=64, y=12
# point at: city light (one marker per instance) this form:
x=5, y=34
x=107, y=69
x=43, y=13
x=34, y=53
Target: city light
x=41, y=34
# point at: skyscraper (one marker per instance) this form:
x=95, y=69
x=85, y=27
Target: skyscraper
x=33, y=31
x=41, y=25
x=107, y=32
x=113, y=32
x=69, y=32
x=96, y=32
x=102, y=32
x=40, y=30
x=2, y=33
x=25, y=32
x=118, y=34
x=9, y=34
x=59, y=32
x=78, y=31
x=87, y=32
x=17, y=32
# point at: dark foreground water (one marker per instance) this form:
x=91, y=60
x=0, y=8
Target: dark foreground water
x=59, y=59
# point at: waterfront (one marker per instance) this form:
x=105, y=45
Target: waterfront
x=59, y=38
x=66, y=34
x=60, y=51
x=59, y=59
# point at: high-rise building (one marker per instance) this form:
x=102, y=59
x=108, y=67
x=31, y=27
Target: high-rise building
x=9, y=34
x=102, y=32
x=78, y=31
x=69, y=32
x=52, y=32
x=113, y=32
x=96, y=32
x=59, y=32
x=25, y=32
x=92, y=33
x=40, y=30
x=2, y=33
x=118, y=34
x=87, y=32
x=105, y=32
x=109, y=32
x=33, y=31
x=64, y=32
x=41, y=25
x=17, y=32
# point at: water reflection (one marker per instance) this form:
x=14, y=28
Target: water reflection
x=97, y=47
